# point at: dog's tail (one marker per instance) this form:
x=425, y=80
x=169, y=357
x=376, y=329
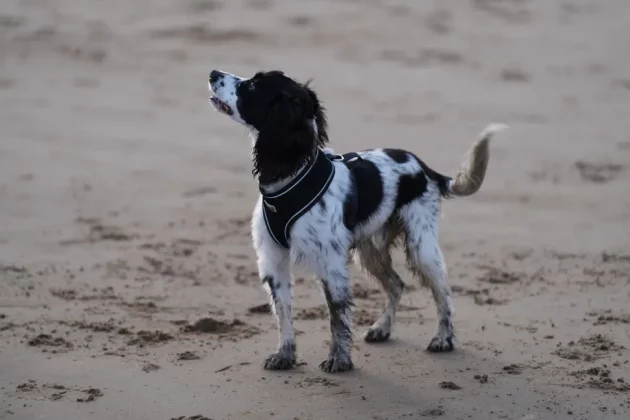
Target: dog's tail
x=473, y=170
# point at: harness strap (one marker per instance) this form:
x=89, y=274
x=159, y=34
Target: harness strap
x=351, y=206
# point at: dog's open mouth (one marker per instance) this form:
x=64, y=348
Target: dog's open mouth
x=221, y=106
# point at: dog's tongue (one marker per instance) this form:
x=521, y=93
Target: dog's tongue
x=220, y=105
x=215, y=101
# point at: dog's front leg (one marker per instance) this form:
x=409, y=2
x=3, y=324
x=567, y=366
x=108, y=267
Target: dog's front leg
x=336, y=287
x=275, y=274
x=276, y=278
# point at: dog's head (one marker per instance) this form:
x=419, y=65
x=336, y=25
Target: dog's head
x=287, y=118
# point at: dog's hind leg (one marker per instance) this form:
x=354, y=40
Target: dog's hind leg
x=377, y=262
x=421, y=224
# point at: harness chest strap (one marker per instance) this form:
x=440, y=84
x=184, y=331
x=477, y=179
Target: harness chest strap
x=283, y=208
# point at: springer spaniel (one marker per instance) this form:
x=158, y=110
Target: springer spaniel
x=339, y=206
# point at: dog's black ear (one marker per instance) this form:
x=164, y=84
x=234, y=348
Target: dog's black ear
x=287, y=140
x=319, y=113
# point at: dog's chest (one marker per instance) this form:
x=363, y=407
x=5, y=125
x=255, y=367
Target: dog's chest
x=283, y=208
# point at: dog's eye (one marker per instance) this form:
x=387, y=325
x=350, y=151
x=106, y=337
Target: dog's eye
x=250, y=84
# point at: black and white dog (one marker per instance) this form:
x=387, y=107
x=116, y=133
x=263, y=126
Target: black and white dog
x=338, y=207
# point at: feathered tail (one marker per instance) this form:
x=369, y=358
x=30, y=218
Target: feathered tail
x=473, y=170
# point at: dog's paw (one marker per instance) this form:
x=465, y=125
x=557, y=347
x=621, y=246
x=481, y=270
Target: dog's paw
x=279, y=361
x=441, y=344
x=376, y=335
x=336, y=364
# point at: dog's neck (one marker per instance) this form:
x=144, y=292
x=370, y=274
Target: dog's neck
x=272, y=187
x=275, y=171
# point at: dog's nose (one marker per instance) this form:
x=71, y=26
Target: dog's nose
x=214, y=76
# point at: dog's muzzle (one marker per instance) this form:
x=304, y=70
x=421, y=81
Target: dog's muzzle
x=216, y=77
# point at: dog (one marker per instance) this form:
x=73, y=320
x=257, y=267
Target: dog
x=354, y=206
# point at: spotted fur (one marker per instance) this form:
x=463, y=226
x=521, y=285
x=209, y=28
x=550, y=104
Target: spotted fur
x=399, y=196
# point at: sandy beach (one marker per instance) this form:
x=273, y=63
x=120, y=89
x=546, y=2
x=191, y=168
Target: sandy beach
x=128, y=283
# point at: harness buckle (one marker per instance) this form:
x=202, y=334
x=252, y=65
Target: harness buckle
x=270, y=207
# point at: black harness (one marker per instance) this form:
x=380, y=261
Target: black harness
x=283, y=208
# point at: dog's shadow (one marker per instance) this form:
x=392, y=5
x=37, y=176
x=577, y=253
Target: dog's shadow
x=397, y=378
